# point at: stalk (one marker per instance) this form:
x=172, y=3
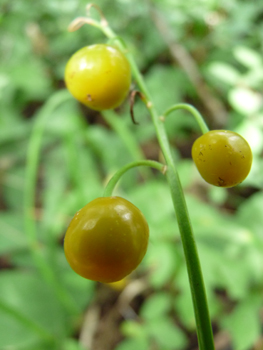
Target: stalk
x=116, y=177
x=203, y=323
x=32, y=161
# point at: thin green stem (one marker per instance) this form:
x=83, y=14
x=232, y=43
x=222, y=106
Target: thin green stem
x=203, y=323
x=116, y=177
x=138, y=77
x=198, y=117
x=32, y=162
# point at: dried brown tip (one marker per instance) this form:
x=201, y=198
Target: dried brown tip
x=133, y=94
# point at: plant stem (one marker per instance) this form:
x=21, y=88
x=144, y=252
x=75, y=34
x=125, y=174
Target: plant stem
x=203, y=323
x=113, y=181
x=198, y=117
x=29, y=199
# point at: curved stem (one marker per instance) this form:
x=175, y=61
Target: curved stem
x=116, y=177
x=34, y=146
x=198, y=117
x=203, y=323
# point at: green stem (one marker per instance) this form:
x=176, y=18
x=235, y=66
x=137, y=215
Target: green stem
x=116, y=177
x=198, y=117
x=203, y=323
x=32, y=162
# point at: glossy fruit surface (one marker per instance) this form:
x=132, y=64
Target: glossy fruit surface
x=222, y=157
x=106, y=240
x=99, y=76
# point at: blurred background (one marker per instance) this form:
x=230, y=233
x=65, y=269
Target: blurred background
x=204, y=52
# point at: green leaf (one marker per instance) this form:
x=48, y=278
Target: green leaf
x=132, y=329
x=131, y=344
x=166, y=333
x=222, y=241
x=150, y=196
x=71, y=344
x=248, y=57
x=243, y=323
x=183, y=304
x=156, y=306
x=66, y=119
x=27, y=295
x=13, y=130
x=13, y=191
x=245, y=101
x=157, y=77
x=218, y=195
x=233, y=274
x=31, y=77
x=81, y=289
x=161, y=259
x=136, y=336
x=251, y=131
x=11, y=233
x=224, y=72
x=249, y=215
x=185, y=170
x=206, y=220
x=108, y=148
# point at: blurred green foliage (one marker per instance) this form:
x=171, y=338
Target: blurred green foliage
x=81, y=149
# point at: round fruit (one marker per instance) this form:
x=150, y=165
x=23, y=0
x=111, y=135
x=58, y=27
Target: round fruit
x=99, y=76
x=106, y=240
x=222, y=157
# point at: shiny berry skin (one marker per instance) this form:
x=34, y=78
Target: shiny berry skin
x=222, y=157
x=99, y=76
x=106, y=240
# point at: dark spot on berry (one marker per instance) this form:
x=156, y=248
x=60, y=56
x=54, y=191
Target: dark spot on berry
x=221, y=182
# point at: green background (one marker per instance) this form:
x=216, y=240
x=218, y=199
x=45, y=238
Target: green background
x=204, y=52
